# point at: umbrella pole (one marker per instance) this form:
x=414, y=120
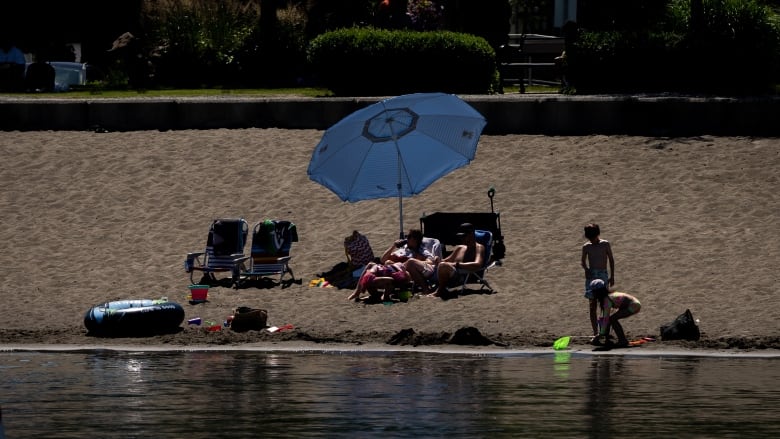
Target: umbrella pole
x=400, y=197
x=401, y=211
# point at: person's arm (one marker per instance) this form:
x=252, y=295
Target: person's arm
x=603, y=321
x=477, y=263
x=386, y=255
x=389, y=252
x=455, y=255
x=584, y=260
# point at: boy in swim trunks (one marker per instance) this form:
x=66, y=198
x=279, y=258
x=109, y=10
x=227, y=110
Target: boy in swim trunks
x=625, y=305
x=596, y=254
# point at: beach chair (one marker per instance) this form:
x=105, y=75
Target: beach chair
x=485, y=238
x=270, y=254
x=226, y=241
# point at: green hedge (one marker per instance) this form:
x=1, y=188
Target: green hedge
x=374, y=62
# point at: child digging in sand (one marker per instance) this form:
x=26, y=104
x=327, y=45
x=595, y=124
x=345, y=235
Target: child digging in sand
x=626, y=305
x=596, y=254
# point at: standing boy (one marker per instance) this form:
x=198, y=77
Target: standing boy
x=596, y=254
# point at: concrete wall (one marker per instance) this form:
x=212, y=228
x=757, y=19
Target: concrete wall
x=506, y=114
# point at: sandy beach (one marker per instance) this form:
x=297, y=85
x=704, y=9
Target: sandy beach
x=93, y=217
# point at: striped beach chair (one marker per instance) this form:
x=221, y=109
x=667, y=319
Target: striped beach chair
x=270, y=254
x=224, y=245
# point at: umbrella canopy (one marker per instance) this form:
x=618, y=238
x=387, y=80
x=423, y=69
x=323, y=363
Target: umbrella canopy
x=396, y=147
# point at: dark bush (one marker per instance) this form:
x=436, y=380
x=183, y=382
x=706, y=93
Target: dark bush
x=196, y=41
x=732, y=49
x=274, y=53
x=373, y=62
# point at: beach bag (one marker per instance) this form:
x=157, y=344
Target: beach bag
x=358, y=249
x=248, y=319
x=682, y=328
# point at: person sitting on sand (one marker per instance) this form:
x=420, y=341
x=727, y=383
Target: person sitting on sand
x=418, y=259
x=626, y=305
x=467, y=257
x=379, y=280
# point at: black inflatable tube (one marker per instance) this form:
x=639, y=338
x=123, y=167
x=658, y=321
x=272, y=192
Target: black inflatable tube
x=157, y=318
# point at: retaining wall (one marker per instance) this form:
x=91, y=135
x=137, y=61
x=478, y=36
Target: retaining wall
x=506, y=114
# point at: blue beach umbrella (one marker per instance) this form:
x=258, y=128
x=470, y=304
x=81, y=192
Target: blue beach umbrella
x=396, y=147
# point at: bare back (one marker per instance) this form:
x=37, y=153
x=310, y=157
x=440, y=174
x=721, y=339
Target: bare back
x=596, y=255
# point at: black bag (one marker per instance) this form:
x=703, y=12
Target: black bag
x=682, y=328
x=249, y=319
x=340, y=276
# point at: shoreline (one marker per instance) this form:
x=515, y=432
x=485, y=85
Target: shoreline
x=383, y=349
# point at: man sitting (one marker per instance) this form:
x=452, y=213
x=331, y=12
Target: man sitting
x=466, y=257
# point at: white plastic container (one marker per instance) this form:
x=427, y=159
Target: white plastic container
x=67, y=74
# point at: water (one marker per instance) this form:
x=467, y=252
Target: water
x=248, y=394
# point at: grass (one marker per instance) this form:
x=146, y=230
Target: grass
x=89, y=92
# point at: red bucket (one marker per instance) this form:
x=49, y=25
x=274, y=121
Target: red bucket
x=199, y=293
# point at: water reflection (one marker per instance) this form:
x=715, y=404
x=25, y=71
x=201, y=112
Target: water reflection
x=396, y=394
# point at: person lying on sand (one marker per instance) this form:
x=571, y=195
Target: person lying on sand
x=379, y=280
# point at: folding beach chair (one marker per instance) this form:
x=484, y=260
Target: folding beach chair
x=270, y=254
x=485, y=238
x=226, y=241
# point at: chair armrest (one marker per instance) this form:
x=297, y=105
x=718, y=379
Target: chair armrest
x=240, y=258
x=189, y=263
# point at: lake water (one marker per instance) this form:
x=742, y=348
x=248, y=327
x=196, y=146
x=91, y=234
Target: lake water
x=255, y=394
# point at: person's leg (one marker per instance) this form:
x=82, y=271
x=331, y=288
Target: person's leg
x=592, y=305
x=365, y=279
x=416, y=268
x=614, y=320
x=358, y=290
x=621, y=336
x=445, y=271
x=381, y=288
